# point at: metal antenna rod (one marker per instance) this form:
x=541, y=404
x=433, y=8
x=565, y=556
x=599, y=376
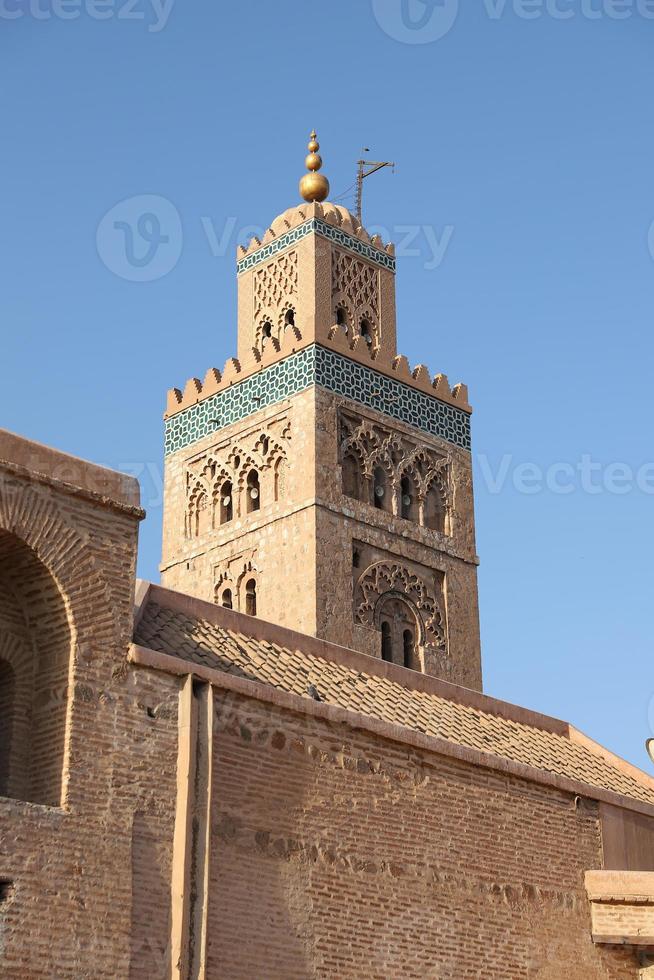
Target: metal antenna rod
x=366, y=169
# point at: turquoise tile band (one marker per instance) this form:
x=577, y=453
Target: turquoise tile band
x=316, y=365
x=335, y=235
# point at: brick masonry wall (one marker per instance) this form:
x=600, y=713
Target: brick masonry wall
x=90, y=880
x=622, y=920
x=337, y=854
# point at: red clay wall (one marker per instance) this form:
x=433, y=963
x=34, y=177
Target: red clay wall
x=84, y=887
x=337, y=854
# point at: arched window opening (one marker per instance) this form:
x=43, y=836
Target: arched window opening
x=366, y=332
x=251, y=597
x=351, y=476
x=387, y=642
x=409, y=508
x=7, y=707
x=381, y=497
x=400, y=629
x=289, y=319
x=435, y=511
x=226, y=503
x=266, y=333
x=408, y=647
x=253, y=492
x=226, y=599
x=202, y=518
x=35, y=656
x=280, y=478
x=341, y=318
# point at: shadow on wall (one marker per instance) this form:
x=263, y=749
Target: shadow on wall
x=150, y=937
x=35, y=656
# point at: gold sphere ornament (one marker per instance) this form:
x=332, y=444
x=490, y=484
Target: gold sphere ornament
x=313, y=161
x=314, y=186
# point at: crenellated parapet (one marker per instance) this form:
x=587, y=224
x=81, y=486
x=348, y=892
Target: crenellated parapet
x=332, y=215
x=357, y=350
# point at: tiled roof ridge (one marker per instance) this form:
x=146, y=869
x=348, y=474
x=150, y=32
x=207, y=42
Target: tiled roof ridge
x=191, y=634
x=282, y=636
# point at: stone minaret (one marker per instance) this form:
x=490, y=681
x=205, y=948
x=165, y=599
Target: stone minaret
x=320, y=482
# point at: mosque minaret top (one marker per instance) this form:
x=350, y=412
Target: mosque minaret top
x=314, y=186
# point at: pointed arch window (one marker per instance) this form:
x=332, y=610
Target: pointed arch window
x=226, y=599
x=226, y=502
x=253, y=493
x=341, y=318
x=381, y=497
x=251, y=597
x=408, y=649
x=399, y=626
x=435, y=510
x=386, y=642
x=409, y=507
x=200, y=515
x=352, y=478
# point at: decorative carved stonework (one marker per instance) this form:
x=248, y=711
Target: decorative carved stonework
x=275, y=293
x=392, y=579
x=227, y=468
x=355, y=289
x=373, y=446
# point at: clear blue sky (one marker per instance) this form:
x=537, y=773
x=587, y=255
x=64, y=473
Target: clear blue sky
x=524, y=148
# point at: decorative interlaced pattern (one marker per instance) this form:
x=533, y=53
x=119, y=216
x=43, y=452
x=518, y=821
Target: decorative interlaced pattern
x=375, y=446
x=315, y=226
x=355, y=287
x=275, y=290
x=265, y=452
x=386, y=577
x=316, y=365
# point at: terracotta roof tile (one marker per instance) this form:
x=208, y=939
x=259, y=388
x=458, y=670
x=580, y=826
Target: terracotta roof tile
x=208, y=644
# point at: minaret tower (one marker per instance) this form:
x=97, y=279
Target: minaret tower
x=319, y=481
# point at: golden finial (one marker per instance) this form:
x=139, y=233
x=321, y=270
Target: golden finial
x=314, y=186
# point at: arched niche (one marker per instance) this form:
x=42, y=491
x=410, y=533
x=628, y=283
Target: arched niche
x=35, y=657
